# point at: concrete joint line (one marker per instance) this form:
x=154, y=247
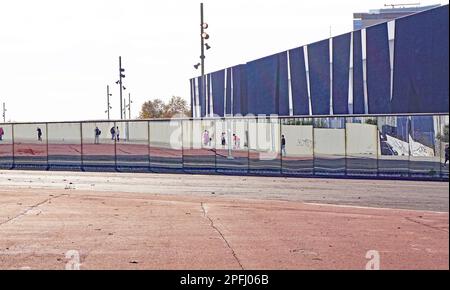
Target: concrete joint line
x=205, y=215
x=31, y=208
x=425, y=225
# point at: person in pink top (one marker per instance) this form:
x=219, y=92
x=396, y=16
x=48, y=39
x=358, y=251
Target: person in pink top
x=237, y=141
x=206, y=138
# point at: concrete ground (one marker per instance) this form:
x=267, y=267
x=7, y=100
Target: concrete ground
x=152, y=221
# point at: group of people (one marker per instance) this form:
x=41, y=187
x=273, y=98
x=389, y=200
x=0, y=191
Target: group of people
x=115, y=134
x=237, y=141
x=207, y=139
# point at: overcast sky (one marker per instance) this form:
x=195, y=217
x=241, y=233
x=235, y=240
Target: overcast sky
x=56, y=57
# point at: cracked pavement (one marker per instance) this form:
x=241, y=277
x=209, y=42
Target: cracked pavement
x=123, y=221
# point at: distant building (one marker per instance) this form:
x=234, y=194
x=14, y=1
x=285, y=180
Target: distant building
x=392, y=67
x=362, y=19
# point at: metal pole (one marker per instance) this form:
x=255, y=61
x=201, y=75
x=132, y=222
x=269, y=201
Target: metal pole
x=4, y=113
x=230, y=140
x=202, y=56
x=121, y=86
x=81, y=147
x=129, y=106
x=124, y=111
x=107, y=99
x=13, y=141
x=46, y=145
x=202, y=42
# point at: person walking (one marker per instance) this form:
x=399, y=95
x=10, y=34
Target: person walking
x=2, y=132
x=39, y=134
x=446, y=155
x=113, y=133
x=283, y=146
x=223, y=140
x=237, y=141
x=117, y=134
x=206, y=138
x=97, y=135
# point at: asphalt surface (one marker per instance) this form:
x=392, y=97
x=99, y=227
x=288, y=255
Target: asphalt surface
x=415, y=195
x=55, y=220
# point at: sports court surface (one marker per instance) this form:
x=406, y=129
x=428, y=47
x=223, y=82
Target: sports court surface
x=154, y=221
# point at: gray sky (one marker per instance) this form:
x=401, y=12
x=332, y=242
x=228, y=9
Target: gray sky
x=56, y=57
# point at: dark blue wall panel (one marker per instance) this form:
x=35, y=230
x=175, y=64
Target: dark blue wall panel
x=228, y=92
x=299, y=82
x=358, y=78
x=319, y=75
x=420, y=74
x=192, y=95
x=439, y=88
x=208, y=95
x=378, y=70
x=283, y=85
x=341, y=64
x=202, y=97
x=237, y=90
x=262, y=86
x=421, y=63
x=244, y=99
x=218, y=89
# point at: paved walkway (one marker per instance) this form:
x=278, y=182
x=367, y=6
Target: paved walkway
x=139, y=221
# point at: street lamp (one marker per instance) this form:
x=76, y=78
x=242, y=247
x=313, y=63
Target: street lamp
x=203, y=36
x=120, y=82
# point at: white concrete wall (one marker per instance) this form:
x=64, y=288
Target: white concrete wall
x=166, y=134
x=67, y=133
x=362, y=139
x=89, y=131
x=136, y=132
x=193, y=133
x=264, y=137
x=7, y=136
x=28, y=132
x=299, y=140
x=329, y=141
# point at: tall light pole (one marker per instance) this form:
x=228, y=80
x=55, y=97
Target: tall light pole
x=203, y=36
x=122, y=87
x=108, y=103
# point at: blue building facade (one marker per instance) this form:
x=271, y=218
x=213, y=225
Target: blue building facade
x=396, y=67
